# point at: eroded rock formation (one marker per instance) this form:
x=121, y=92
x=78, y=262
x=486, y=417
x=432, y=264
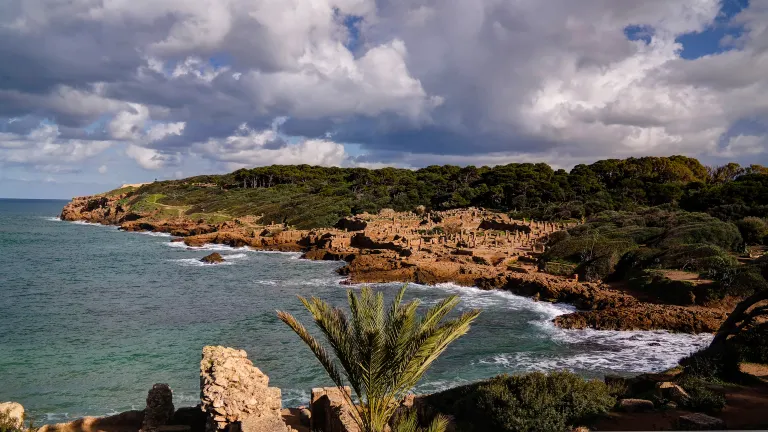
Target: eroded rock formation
x=470, y=247
x=236, y=394
x=14, y=411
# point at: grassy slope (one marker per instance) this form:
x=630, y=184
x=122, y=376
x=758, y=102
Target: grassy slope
x=293, y=204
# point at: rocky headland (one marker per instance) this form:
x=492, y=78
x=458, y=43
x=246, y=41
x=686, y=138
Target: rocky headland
x=468, y=247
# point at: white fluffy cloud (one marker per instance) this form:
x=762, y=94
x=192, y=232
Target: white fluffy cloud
x=248, y=147
x=408, y=82
x=43, y=149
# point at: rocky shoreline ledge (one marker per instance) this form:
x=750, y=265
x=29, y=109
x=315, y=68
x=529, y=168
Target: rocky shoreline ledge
x=235, y=396
x=468, y=247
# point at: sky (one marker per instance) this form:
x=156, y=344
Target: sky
x=96, y=93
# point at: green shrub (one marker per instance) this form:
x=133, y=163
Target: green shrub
x=701, y=397
x=736, y=281
x=752, y=343
x=668, y=291
x=694, y=257
x=713, y=231
x=533, y=402
x=559, y=269
x=753, y=230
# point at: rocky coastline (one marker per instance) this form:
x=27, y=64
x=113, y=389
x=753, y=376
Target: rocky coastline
x=467, y=247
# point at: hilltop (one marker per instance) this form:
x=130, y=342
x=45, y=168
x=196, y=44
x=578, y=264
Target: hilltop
x=311, y=197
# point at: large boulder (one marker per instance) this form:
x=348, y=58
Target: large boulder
x=635, y=405
x=673, y=392
x=232, y=391
x=159, y=410
x=214, y=258
x=14, y=411
x=699, y=421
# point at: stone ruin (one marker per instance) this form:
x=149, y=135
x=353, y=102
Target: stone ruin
x=235, y=395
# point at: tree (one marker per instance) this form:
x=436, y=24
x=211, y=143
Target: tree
x=753, y=230
x=382, y=355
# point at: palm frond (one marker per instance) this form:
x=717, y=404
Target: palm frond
x=383, y=354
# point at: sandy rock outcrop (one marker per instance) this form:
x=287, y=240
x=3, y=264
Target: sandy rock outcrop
x=14, y=411
x=235, y=393
x=125, y=421
x=468, y=247
x=94, y=209
x=645, y=316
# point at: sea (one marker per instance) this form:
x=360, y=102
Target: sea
x=91, y=317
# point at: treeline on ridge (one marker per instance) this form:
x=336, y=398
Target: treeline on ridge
x=311, y=196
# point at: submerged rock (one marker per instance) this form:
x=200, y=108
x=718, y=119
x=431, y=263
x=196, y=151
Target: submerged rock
x=214, y=258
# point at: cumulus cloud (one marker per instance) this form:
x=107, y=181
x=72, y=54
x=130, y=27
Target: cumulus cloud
x=43, y=149
x=745, y=145
x=408, y=83
x=249, y=147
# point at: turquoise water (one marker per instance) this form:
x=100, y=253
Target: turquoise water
x=91, y=317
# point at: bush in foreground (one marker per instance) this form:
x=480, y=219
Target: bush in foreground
x=752, y=343
x=701, y=397
x=532, y=402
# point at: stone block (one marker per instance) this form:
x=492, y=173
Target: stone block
x=699, y=421
x=636, y=405
x=159, y=409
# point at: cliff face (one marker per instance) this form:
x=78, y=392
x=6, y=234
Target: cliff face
x=469, y=247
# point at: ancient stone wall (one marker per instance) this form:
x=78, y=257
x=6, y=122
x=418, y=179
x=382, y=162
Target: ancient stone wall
x=233, y=390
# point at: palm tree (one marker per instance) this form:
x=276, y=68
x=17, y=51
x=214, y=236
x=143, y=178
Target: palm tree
x=381, y=355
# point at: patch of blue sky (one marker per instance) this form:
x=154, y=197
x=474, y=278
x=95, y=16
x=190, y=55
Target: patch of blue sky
x=711, y=40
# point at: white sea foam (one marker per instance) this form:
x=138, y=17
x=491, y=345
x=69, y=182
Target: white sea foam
x=594, y=350
x=52, y=218
x=209, y=247
x=295, y=397
x=195, y=262
x=439, y=385
x=609, y=351
x=154, y=234
x=235, y=256
x=95, y=224
x=293, y=255
x=267, y=282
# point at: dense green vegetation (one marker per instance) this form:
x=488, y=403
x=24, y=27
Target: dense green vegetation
x=617, y=243
x=309, y=196
x=532, y=402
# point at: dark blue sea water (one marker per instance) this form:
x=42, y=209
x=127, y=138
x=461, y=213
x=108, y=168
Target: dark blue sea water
x=91, y=317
